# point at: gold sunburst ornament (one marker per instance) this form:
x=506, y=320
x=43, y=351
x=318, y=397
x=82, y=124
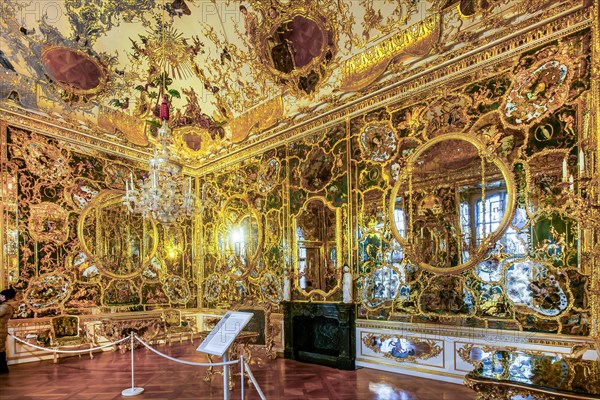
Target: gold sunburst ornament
x=178, y=56
x=163, y=194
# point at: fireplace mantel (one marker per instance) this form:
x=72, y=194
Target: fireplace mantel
x=321, y=333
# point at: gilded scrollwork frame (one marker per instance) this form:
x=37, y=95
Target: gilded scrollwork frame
x=111, y=197
x=252, y=263
x=338, y=243
x=482, y=249
x=323, y=22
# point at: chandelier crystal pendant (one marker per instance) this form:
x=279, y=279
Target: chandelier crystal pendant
x=163, y=195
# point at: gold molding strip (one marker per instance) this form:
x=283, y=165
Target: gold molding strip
x=364, y=68
x=443, y=331
x=69, y=135
x=412, y=368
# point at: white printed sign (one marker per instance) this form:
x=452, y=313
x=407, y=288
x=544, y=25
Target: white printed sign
x=224, y=333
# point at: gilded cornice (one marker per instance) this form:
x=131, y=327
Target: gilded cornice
x=447, y=73
x=445, y=70
x=31, y=122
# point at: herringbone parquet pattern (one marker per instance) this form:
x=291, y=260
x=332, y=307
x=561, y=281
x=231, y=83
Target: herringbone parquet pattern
x=108, y=374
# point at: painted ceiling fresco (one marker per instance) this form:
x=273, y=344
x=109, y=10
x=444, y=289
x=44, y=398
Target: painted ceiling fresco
x=231, y=69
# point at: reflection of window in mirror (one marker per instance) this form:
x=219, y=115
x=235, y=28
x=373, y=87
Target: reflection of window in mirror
x=400, y=221
x=302, y=267
x=309, y=268
x=316, y=229
x=330, y=272
x=485, y=216
x=489, y=213
x=237, y=241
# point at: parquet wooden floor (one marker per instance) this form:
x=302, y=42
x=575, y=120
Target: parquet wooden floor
x=108, y=374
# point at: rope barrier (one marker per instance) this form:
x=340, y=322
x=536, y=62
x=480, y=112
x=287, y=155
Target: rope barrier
x=133, y=391
x=183, y=361
x=67, y=351
x=260, y=393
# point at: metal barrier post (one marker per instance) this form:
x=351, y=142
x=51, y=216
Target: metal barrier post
x=225, y=378
x=242, y=375
x=132, y=391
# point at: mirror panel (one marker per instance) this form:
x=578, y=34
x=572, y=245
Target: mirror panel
x=239, y=237
x=317, y=239
x=537, y=286
x=120, y=250
x=380, y=287
x=449, y=208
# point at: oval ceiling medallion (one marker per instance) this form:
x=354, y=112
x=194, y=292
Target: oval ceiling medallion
x=74, y=70
x=297, y=47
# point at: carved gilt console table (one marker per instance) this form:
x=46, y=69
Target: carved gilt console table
x=147, y=327
x=505, y=374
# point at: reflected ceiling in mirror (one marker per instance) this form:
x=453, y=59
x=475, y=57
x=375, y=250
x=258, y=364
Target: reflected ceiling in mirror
x=121, y=250
x=317, y=240
x=451, y=202
x=239, y=237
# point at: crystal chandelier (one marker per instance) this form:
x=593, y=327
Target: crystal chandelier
x=163, y=195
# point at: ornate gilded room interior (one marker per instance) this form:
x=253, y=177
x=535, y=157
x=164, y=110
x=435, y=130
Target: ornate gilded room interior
x=391, y=188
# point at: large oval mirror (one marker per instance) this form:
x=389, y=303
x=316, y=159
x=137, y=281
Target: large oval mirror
x=120, y=250
x=317, y=238
x=451, y=203
x=239, y=237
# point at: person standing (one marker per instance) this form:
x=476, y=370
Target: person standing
x=7, y=309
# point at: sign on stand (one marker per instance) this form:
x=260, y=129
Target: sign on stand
x=221, y=337
x=224, y=333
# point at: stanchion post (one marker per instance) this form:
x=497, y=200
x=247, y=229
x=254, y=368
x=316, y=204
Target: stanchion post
x=242, y=375
x=225, y=378
x=132, y=391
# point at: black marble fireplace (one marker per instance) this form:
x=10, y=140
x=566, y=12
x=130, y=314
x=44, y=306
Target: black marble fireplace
x=320, y=333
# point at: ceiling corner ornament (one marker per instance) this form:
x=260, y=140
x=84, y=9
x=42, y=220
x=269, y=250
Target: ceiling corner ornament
x=366, y=67
x=257, y=119
x=132, y=127
x=191, y=141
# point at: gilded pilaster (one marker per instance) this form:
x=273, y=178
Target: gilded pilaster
x=3, y=258
x=197, y=241
x=594, y=166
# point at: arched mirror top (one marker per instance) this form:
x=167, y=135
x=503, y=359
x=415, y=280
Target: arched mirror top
x=451, y=203
x=121, y=250
x=317, y=248
x=240, y=236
